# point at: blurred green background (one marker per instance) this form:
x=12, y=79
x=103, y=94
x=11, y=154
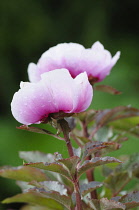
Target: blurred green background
x=28, y=28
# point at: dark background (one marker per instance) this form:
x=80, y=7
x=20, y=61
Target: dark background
x=28, y=28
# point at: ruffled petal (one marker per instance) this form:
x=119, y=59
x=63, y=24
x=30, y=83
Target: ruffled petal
x=32, y=103
x=56, y=91
x=33, y=73
x=96, y=61
x=106, y=71
x=61, y=56
x=60, y=85
x=82, y=99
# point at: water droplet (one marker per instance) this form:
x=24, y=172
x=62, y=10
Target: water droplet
x=129, y=199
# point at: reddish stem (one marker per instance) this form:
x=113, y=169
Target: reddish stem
x=78, y=197
x=90, y=177
x=89, y=173
x=65, y=128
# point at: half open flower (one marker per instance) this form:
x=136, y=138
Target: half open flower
x=96, y=61
x=56, y=92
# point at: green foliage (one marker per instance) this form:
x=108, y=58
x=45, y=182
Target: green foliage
x=50, y=185
x=54, y=167
x=97, y=161
x=91, y=186
x=36, y=156
x=118, y=178
x=49, y=181
x=23, y=173
x=130, y=200
x=30, y=28
x=105, y=204
x=37, y=198
x=39, y=130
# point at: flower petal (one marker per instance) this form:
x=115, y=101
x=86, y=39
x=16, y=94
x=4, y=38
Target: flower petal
x=60, y=85
x=96, y=61
x=82, y=99
x=33, y=73
x=56, y=91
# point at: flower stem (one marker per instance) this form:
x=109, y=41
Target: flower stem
x=65, y=129
x=89, y=173
x=90, y=177
x=78, y=197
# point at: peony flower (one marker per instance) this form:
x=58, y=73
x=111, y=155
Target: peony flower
x=56, y=92
x=96, y=61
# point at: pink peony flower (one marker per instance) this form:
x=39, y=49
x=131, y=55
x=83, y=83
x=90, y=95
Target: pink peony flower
x=56, y=92
x=96, y=61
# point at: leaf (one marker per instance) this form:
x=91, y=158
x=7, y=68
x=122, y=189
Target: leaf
x=110, y=204
x=103, y=134
x=97, y=161
x=50, y=185
x=63, y=199
x=123, y=173
x=131, y=165
x=95, y=146
x=89, y=187
x=70, y=164
x=82, y=140
x=130, y=200
x=107, y=89
x=105, y=204
x=111, y=148
x=29, y=207
x=105, y=116
x=36, y=156
x=106, y=192
x=111, y=116
x=77, y=152
x=86, y=116
x=66, y=182
x=86, y=206
x=23, y=173
x=129, y=125
x=71, y=121
x=90, y=115
x=120, y=138
x=39, y=130
x=35, y=198
x=57, y=156
x=106, y=171
x=117, y=181
x=54, y=167
x=122, y=112
x=24, y=185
